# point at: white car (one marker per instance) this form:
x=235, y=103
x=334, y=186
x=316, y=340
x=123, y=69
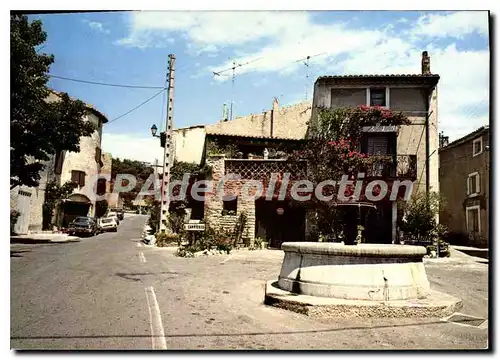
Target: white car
x=114, y=215
x=108, y=224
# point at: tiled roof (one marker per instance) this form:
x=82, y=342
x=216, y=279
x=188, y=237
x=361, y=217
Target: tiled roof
x=215, y=133
x=468, y=137
x=414, y=78
x=88, y=106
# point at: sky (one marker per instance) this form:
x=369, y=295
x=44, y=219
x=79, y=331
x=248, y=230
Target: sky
x=132, y=48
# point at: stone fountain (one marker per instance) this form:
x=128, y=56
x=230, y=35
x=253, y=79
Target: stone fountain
x=366, y=280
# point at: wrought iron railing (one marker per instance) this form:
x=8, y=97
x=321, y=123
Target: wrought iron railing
x=253, y=169
x=393, y=166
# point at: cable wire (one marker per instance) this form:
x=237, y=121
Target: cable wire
x=138, y=106
x=104, y=84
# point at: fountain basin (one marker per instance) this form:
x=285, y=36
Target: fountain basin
x=374, y=272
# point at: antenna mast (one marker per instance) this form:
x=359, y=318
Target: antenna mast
x=233, y=69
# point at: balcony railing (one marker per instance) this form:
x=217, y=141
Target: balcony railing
x=394, y=166
x=254, y=169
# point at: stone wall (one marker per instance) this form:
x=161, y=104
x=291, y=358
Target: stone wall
x=214, y=203
x=281, y=122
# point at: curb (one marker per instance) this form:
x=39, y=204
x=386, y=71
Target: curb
x=436, y=305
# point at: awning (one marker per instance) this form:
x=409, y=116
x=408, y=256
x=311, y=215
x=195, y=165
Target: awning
x=379, y=129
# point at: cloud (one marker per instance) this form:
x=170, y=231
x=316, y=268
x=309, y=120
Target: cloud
x=454, y=25
x=273, y=42
x=97, y=26
x=130, y=146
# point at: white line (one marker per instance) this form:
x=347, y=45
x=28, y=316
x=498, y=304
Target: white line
x=140, y=244
x=142, y=258
x=157, y=332
x=229, y=258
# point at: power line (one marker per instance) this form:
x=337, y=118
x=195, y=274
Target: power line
x=104, y=84
x=138, y=106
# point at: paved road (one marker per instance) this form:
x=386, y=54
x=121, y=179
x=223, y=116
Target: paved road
x=108, y=292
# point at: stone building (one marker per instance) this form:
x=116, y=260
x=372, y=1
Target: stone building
x=82, y=168
x=464, y=179
x=254, y=147
x=413, y=146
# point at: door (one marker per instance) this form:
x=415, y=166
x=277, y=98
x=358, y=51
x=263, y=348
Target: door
x=24, y=208
x=377, y=145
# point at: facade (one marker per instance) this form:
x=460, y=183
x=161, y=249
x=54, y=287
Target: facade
x=259, y=140
x=464, y=178
x=413, y=147
x=82, y=168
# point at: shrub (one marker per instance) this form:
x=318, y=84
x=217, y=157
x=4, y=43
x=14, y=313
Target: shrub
x=163, y=239
x=14, y=216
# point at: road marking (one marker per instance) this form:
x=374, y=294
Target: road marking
x=223, y=262
x=157, y=332
x=140, y=244
x=142, y=258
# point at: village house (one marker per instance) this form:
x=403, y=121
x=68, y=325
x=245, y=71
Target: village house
x=81, y=168
x=255, y=147
x=464, y=180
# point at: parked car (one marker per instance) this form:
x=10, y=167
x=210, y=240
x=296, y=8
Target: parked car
x=108, y=224
x=83, y=225
x=114, y=215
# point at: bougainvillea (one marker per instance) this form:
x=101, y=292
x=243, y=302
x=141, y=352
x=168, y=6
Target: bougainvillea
x=333, y=149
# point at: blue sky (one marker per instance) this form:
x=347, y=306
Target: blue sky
x=132, y=48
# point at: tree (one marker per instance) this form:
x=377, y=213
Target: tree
x=138, y=169
x=54, y=193
x=38, y=128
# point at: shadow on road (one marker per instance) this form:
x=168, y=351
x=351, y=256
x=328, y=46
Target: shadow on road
x=137, y=276
x=17, y=253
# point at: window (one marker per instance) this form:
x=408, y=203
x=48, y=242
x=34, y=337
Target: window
x=477, y=146
x=377, y=97
x=98, y=154
x=78, y=177
x=101, y=186
x=58, y=162
x=473, y=187
x=473, y=219
x=230, y=205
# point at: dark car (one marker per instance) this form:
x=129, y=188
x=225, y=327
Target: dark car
x=83, y=225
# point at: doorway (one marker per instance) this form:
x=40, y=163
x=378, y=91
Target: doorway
x=279, y=221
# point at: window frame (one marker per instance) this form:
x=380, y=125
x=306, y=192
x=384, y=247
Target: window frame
x=477, y=190
x=81, y=177
x=474, y=142
x=472, y=208
x=387, y=96
x=232, y=200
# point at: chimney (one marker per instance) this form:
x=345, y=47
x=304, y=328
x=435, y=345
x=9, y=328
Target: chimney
x=426, y=63
x=224, y=112
x=273, y=112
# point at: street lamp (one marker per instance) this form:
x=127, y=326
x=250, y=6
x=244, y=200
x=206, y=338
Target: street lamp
x=154, y=129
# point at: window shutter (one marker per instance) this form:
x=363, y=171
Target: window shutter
x=82, y=179
x=75, y=177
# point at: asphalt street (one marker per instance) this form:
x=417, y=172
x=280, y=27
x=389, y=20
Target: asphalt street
x=112, y=292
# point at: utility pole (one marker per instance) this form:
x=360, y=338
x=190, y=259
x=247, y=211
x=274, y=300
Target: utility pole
x=167, y=158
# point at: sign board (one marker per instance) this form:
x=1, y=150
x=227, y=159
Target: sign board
x=194, y=227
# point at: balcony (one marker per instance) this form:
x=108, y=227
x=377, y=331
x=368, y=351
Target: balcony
x=256, y=169
x=397, y=166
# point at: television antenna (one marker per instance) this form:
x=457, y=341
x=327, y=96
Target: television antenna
x=305, y=61
x=233, y=69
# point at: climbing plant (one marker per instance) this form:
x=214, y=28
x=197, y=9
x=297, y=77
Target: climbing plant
x=54, y=193
x=333, y=149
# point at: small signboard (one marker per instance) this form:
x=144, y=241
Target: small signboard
x=194, y=227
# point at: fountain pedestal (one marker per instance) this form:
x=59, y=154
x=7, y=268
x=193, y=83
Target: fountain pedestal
x=357, y=280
